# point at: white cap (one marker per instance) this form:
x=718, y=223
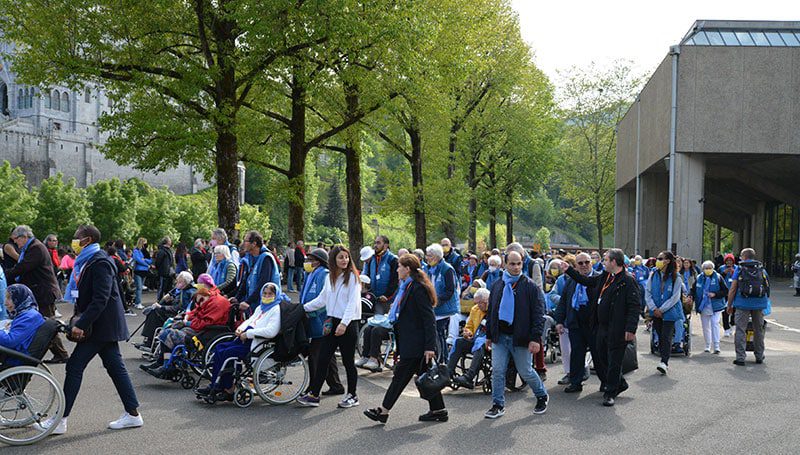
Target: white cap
x=365, y=279
x=366, y=253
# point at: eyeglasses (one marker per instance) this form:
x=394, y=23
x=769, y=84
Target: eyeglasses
x=584, y=262
x=662, y=259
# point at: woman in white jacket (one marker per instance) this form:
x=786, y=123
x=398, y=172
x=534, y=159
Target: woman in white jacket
x=264, y=324
x=341, y=297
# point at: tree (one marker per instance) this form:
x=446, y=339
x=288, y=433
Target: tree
x=593, y=101
x=542, y=238
x=253, y=218
x=60, y=208
x=333, y=216
x=19, y=204
x=113, y=209
x=196, y=216
x=156, y=211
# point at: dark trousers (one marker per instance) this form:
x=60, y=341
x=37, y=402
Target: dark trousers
x=48, y=310
x=224, y=351
x=154, y=320
x=404, y=371
x=441, y=339
x=109, y=353
x=608, y=361
x=164, y=286
x=462, y=348
x=332, y=374
x=666, y=331
x=581, y=340
x=347, y=346
x=373, y=340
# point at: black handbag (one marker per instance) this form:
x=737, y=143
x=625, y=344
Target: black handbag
x=630, y=360
x=432, y=381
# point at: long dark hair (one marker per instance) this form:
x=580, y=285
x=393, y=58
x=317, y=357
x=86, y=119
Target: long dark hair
x=335, y=271
x=671, y=269
x=418, y=275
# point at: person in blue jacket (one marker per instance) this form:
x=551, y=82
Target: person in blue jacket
x=445, y=282
x=663, y=296
x=3, y=286
x=710, y=293
x=316, y=269
x=25, y=321
x=381, y=269
x=641, y=273
x=493, y=272
x=727, y=270
x=452, y=257
x=749, y=304
x=262, y=268
x=141, y=267
x=597, y=262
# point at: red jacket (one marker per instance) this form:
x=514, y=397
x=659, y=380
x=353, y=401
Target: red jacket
x=213, y=311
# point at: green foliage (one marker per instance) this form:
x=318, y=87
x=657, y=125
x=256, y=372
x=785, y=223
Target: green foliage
x=156, y=212
x=253, y=218
x=60, y=207
x=542, y=238
x=18, y=203
x=113, y=209
x=334, y=214
x=196, y=216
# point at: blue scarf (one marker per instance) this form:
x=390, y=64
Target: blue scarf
x=310, y=279
x=22, y=253
x=22, y=297
x=706, y=300
x=80, y=261
x=255, y=271
x=506, y=311
x=394, y=311
x=220, y=271
x=579, y=297
x=685, y=284
x=279, y=297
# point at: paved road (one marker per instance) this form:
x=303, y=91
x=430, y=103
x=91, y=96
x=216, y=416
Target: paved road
x=705, y=405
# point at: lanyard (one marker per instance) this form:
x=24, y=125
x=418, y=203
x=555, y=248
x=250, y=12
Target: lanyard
x=609, y=281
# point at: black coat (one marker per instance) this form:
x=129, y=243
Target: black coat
x=36, y=272
x=620, y=304
x=165, y=261
x=199, y=264
x=99, y=303
x=568, y=316
x=415, y=328
x=528, y=312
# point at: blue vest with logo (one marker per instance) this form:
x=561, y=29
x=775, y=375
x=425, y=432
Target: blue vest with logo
x=660, y=296
x=379, y=274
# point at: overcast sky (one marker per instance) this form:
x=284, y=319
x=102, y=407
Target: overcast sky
x=566, y=33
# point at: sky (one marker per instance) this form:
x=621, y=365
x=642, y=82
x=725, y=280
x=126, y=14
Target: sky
x=577, y=32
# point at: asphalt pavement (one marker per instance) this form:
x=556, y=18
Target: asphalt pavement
x=705, y=405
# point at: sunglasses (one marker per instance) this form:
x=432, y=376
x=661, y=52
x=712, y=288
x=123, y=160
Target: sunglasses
x=584, y=262
x=662, y=259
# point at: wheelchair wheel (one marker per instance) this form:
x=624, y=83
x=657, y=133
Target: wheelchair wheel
x=243, y=398
x=280, y=382
x=208, y=354
x=28, y=396
x=177, y=376
x=188, y=381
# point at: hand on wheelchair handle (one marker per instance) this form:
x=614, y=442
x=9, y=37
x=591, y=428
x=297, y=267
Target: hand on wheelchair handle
x=560, y=329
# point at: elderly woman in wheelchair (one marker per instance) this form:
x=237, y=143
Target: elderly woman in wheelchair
x=25, y=321
x=472, y=341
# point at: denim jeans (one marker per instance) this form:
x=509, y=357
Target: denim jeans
x=109, y=353
x=502, y=350
x=290, y=278
x=138, y=282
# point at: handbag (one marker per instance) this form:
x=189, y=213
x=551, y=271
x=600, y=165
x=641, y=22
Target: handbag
x=86, y=333
x=432, y=381
x=630, y=360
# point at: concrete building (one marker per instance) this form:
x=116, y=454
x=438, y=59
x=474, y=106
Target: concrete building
x=44, y=132
x=715, y=135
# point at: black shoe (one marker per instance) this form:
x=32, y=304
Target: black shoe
x=205, y=391
x=759, y=361
x=57, y=359
x=541, y=404
x=739, y=362
x=332, y=391
x=161, y=372
x=573, y=388
x=542, y=375
x=434, y=416
x=150, y=366
x=564, y=380
x=608, y=401
x=622, y=387
x=375, y=414
x=464, y=381
x=495, y=411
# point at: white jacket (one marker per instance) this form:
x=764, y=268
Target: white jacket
x=342, y=301
x=262, y=325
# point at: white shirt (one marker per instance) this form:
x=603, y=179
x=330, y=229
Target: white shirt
x=262, y=325
x=342, y=301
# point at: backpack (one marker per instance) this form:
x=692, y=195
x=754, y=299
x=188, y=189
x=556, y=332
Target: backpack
x=753, y=280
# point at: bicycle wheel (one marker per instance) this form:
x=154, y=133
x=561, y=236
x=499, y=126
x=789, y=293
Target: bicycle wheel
x=28, y=396
x=280, y=382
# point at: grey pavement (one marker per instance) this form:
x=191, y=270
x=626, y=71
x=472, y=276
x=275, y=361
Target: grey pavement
x=704, y=405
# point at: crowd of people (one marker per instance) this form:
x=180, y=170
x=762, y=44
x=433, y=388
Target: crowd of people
x=435, y=307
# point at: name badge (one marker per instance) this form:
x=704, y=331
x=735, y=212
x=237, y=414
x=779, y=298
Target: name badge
x=74, y=294
x=378, y=277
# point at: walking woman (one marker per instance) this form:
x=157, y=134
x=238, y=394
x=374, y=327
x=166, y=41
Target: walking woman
x=141, y=267
x=710, y=294
x=415, y=332
x=663, y=296
x=341, y=298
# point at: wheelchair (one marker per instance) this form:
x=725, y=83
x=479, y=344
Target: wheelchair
x=388, y=347
x=275, y=381
x=29, y=394
x=552, y=342
x=483, y=379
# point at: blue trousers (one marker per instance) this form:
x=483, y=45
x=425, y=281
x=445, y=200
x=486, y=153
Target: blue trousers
x=112, y=361
x=224, y=351
x=502, y=350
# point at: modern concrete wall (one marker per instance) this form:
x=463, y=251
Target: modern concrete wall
x=653, y=206
x=625, y=220
x=739, y=100
x=687, y=228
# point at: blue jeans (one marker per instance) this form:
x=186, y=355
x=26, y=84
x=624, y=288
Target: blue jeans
x=502, y=350
x=138, y=282
x=290, y=277
x=109, y=353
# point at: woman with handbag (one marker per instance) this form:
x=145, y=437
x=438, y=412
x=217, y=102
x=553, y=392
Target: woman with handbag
x=415, y=332
x=341, y=298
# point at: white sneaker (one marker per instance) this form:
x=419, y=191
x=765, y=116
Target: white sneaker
x=140, y=307
x=61, y=428
x=728, y=333
x=349, y=401
x=707, y=350
x=372, y=365
x=662, y=368
x=126, y=421
x=360, y=362
x=58, y=314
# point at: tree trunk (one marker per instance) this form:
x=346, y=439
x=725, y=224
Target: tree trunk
x=492, y=227
x=473, y=207
x=297, y=162
x=509, y=225
x=420, y=223
x=599, y=223
x=355, y=229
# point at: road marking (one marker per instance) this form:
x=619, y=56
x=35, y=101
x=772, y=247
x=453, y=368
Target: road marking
x=784, y=327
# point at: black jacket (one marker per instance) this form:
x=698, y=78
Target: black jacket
x=617, y=310
x=415, y=328
x=199, y=264
x=528, y=312
x=99, y=303
x=165, y=261
x=36, y=272
x=568, y=316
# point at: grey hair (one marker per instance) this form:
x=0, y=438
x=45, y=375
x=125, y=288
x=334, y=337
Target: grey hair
x=50, y=237
x=435, y=250
x=22, y=231
x=495, y=260
x=186, y=277
x=481, y=294
x=708, y=264
x=748, y=253
x=419, y=253
x=516, y=246
x=223, y=250
x=617, y=256
x=220, y=234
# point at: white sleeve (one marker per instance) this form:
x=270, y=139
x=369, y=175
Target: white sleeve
x=353, y=310
x=235, y=257
x=249, y=321
x=269, y=326
x=320, y=300
x=648, y=298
